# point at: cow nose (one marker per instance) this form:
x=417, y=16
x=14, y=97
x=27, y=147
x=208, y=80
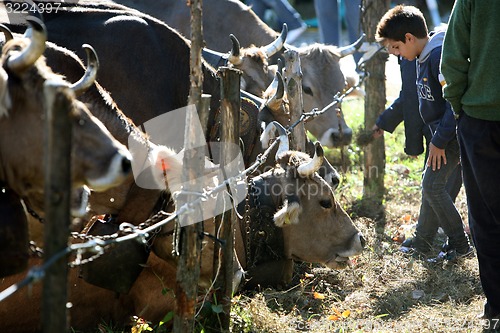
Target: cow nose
x=335, y=183
x=126, y=165
x=342, y=139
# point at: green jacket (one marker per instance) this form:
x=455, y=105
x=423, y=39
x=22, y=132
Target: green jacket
x=470, y=60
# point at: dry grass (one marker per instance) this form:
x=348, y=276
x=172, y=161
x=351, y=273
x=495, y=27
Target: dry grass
x=384, y=291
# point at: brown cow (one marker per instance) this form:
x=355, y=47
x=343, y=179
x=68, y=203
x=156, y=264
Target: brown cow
x=98, y=160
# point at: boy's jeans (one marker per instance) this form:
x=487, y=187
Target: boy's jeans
x=438, y=208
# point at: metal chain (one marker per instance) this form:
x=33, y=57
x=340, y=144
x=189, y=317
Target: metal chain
x=252, y=192
x=161, y=215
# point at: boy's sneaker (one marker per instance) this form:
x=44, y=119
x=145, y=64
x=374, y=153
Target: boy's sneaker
x=452, y=255
x=409, y=247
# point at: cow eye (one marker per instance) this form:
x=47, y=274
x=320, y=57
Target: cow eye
x=307, y=90
x=326, y=203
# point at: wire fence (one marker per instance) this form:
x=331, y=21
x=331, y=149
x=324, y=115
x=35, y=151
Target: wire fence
x=96, y=246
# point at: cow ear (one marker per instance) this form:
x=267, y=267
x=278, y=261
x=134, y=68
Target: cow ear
x=5, y=101
x=289, y=213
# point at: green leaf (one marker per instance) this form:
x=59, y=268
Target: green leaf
x=217, y=308
x=168, y=317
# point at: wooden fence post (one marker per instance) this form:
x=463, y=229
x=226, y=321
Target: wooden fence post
x=230, y=120
x=57, y=164
x=293, y=83
x=188, y=270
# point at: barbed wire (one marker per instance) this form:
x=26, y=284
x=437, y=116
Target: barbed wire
x=97, y=245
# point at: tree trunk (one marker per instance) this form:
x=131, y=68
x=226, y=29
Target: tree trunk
x=375, y=100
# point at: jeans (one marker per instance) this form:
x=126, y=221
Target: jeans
x=284, y=11
x=330, y=21
x=438, y=208
x=480, y=152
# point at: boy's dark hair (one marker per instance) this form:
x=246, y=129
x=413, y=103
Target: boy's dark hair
x=401, y=20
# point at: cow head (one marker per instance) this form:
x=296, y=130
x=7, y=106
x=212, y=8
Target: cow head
x=310, y=208
x=98, y=160
x=314, y=226
x=253, y=61
x=322, y=79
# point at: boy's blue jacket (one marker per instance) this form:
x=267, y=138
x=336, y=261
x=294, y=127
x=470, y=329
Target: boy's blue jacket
x=405, y=108
x=436, y=112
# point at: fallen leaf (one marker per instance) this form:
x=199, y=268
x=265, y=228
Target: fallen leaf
x=333, y=317
x=317, y=295
x=337, y=312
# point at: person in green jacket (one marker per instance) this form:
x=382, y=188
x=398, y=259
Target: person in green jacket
x=470, y=64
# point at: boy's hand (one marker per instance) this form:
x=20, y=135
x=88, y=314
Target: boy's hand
x=377, y=131
x=435, y=156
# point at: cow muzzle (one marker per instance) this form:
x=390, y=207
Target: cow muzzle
x=341, y=259
x=119, y=168
x=336, y=138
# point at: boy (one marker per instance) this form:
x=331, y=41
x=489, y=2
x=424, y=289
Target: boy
x=403, y=31
x=405, y=109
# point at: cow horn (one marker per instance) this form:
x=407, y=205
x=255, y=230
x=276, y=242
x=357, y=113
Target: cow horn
x=234, y=56
x=279, y=91
x=350, y=49
x=284, y=143
x=90, y=75
x=35, y=49
x=6, y=31
x=269, y=134
x=271, y=49
x=309, y=168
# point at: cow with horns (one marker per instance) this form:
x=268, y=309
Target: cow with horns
x=322, y=76
x=98, y=160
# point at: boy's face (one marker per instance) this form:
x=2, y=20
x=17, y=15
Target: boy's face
x=408, y=50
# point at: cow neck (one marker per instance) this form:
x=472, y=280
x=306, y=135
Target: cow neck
x=264, y=241
x=249, y=130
